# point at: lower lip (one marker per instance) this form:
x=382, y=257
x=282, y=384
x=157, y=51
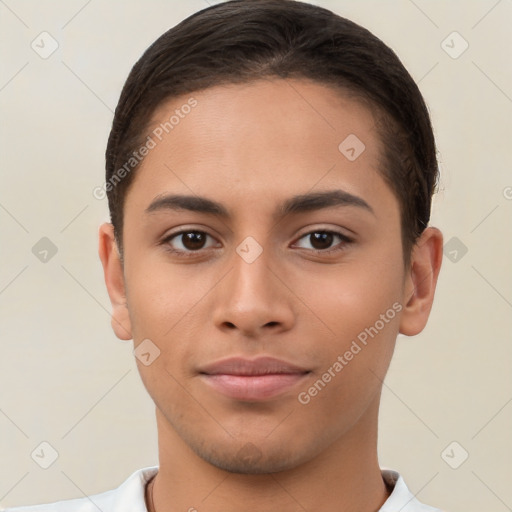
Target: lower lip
x=253, y=387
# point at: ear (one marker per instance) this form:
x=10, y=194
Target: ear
x=421, y=280
x=114, y=279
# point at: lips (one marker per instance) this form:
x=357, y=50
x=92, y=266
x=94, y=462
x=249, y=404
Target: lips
x=252, y=380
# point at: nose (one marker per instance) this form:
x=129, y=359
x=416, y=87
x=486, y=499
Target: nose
x=254, y=298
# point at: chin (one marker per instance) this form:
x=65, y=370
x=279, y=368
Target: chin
x=247, y=457
x=249, y=460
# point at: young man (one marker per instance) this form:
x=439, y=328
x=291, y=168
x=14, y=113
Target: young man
x=269, y=174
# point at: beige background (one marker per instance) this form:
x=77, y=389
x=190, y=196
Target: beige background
x=65, y=378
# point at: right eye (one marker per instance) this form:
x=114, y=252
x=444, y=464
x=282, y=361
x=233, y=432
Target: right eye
x=186, y=242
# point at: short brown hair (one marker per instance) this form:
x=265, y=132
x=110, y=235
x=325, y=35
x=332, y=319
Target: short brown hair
x=244, y=40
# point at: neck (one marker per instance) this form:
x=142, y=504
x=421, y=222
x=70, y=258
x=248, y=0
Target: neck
x=345, y=476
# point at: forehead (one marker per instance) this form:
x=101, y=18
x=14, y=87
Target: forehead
x=258, y=110
x=265, y=137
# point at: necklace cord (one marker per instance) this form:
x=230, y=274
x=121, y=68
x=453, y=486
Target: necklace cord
x=149, y=494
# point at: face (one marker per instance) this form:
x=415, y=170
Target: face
x=272, y=283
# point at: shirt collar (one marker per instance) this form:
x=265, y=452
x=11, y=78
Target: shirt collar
x=130, y=496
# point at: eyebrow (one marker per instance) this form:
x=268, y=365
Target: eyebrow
x=296, y=204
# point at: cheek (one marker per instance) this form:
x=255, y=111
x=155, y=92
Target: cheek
x=163, y=309
x=360, y=305
x=352, y=297
x=161, y=295
x=167, y=305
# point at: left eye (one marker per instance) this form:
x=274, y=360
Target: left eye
x=322, y=240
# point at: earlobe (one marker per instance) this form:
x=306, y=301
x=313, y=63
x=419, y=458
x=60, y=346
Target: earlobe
x=114, y=280
x=420, y=284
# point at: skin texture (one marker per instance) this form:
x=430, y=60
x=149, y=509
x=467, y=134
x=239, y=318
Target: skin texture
x=251, y=147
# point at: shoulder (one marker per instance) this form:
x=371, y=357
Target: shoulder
x=401, y=497
x=128, y=497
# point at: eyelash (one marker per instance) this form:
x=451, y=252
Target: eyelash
x=345, y=240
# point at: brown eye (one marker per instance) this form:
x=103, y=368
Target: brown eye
x=322, y=241
x=193, y=240
x=187, y=242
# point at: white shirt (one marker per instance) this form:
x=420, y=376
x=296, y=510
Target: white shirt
x=129, y=497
